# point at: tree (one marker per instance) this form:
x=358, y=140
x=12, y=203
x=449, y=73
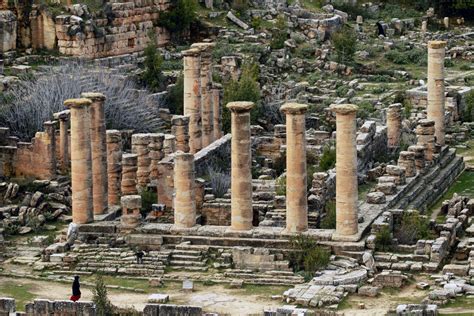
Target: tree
x=175, y=97
x=153, y=75
x=279, y=33
x=179, y=17
x=100, y=299
x=345, y=41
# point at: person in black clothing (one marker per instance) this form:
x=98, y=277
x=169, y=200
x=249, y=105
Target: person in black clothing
x=76, y=289
x=139, y=255
x=381, y=30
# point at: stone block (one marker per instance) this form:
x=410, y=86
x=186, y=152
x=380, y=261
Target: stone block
x=158, y=298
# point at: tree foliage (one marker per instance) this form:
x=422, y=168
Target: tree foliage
x=153, y=75
x=179, y=17
x=345, y=45
x=100, y=298
x=307, y=256
x=175, y=97
x=279, y=33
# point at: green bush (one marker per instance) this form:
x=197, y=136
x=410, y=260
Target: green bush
x=306, y=255
x=175, y=97
x=412, y=228
x=342, y=91
x=279, y=33
x=222, y=48
x=329, y=221
x=414, y=56
x=383, y=239
x=280, y=186
x=328, y=158
x=306, y=51
x=246, y=88
x=100, y=298
x=179, y=17
x=153, y=76
x=365, y=109
x=148, y=198
x=468, y=112
x=241, y=7
x=345, y=45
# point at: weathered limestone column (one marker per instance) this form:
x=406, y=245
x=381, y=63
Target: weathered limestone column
x=206, y=96
x=436, y=98
x=424, y=26
x=346, y=169
x=217, y=110
x=241, y=165
x=81, y=160
x=180, y=129
x=446, y=22
x=184, y=201
x=129, y=174
x=169, y=144
x=419, y=152
x=192, y=97
x=63, y=118
x=99, y=151
x=394, y=125
x=296, y=189
x=131, y=205
x=425, y=131
x=114, y=166
x=156, y=154
x=140, y=144
x=407, y=161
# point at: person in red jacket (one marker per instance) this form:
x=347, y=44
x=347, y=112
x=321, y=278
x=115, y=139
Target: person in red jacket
x=76, y=289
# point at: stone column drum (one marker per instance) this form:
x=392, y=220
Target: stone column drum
x=184, y=202
x=296, y=188
x=114, y=166
x=394, y=125
x=156, y=154
x=407, y=161
x=129, y=174
x=81, y=160
x=346, y=169
x=63, y=118
x=241, y=166
x=425, y=131
x=140, y=144
x=131, y=205
x=180, y=129
x=217, y=110
x=436, y=98
x=192, y=97
x=99, y=151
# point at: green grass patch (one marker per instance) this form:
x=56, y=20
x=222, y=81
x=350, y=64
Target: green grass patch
x=21, y=293
x=463, y=302
x=464, y=185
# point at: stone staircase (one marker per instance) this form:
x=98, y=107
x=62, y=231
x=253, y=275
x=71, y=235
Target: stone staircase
x=120, y=260
x=187, y=257
x=265, y=277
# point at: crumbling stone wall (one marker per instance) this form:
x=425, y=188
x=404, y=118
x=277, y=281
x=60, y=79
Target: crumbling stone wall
x=45, y=307
x=8, y=31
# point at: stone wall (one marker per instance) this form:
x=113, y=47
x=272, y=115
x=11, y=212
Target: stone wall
x=8, y=31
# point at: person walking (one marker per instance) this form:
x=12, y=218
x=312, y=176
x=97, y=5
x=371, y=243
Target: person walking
x=76, y=289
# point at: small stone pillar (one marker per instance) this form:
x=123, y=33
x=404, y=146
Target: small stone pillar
x=241, y=166
x=63, y=118
x=359, y=19
x=131, y=205
x=394, y=125
x=425, y=137
x=114, y=166
x=129, y=174
x=436, y=98
x=192, y=97
x=419, y=152
x=346, y=170
x=50, y=157
x=296, y=186
x=424, y=26
x=81, y=160
x=446, y=22
x=140, y=144
x=180, y=129
x=99, y=151
x=156, y=154
x=217, y=110
x=407, y=161
x=184, y=202
x=206, y=96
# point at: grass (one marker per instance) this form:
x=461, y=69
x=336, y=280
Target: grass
x=262, y=290
x=21, y=293
x=464, y=185
x=464, y=302
x=363, y=189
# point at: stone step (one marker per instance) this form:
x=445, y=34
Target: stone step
x=186, y=258
x=187, y=263
x=183, y=252
x=189, y=268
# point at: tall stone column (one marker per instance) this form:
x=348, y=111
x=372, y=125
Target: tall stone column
x=99, y=151
x=129, y=174
x=114, y=166
x=206, y=96
x=346, y=170
x=184, y=195
x=63, y=118
x=169, y=145
x=217, y=110
x=241, y=166
x=296, y=188
x=192, y=97
x=180, y=129
x=394, y=125
x=436, y=98
x=156, y=154
x=81, y=160
x=140, y=144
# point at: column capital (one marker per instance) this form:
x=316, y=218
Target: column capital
x=63, y=115
x=113, y=136
x=240, y=106
x=395, y=107
x=294, y=108
x=180, y=120
x=202, y=46
x=344, y=109
x=436, y=44
x=183, y=156
x=192, y=52
x=77, y=103
x=94, y=96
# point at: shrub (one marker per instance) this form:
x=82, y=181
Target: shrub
x=345, y=42
x=306, y=50
x=414, y=56
x=219, y=180
x=306, y=255
x=175, y=97
x=148, y=198
x=342, y=91
x=179, y=17
x=100, y=299
x=280, y=185
x=279, y=164
x=383, y=239
x=328, y=158
x=468, y=112
x=413, y=227
x=153, y=75
x=279, y=33
x=222, y=48
x=241, y=7
x=365, y=109
x=329, y=221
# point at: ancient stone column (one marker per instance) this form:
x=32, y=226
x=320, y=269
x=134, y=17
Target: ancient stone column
x=156, y=154
x=192, y=97
x=184, y=201
x=446, y=22
x=140, y=144
x=169, y=145
x=436, y=98
x=114, y=166
x=241, y=166
x=424, y=26
x=81, y=160
x=99, y=151
x=206, y=96
x=217, y=110
x=180, y=129
x=407, y=161
x=131, y=205
x=359, y=19
x=425, y=131
x=394, y=125
x=296, y=188
x=419, y=152
x=346, y=170
x=63, y=118
x=129, y=174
